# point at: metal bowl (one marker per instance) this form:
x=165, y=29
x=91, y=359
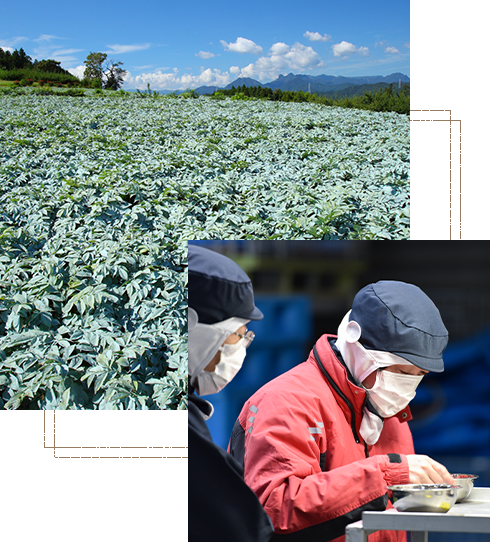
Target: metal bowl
x=423, y=497
x=466, y=482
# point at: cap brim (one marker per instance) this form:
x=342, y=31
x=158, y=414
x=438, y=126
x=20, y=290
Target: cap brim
x=256, y=314
x=427, y=364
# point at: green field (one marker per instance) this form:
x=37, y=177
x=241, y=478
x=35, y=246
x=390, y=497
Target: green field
x=99, y=194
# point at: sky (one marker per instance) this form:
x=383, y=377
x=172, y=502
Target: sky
x=188, y=44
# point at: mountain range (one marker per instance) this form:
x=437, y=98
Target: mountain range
x=319, y=84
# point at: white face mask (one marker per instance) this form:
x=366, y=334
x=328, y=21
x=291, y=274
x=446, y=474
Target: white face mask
x=392, y=392
x=231, y=361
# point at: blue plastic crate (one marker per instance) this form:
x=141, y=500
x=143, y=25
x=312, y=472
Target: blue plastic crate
x=257, y=369
x=287, y=319
x=451, y=409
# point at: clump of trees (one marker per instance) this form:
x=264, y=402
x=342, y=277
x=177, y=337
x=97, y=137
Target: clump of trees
x=386, y=99
x=16, y=60
x=18, y=66
x=102, y=73
x=19, y=60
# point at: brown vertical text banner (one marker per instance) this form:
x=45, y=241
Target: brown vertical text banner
x=432, y=173
x=116, y=434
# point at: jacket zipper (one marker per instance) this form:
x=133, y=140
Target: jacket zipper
x=344, y=398
x=366, y=452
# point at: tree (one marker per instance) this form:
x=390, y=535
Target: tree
x=108, y=72
x=16, y=60
x=114, y=76
x=49, y=66
x=94, y=66
x=20, y=59
x=5, y=59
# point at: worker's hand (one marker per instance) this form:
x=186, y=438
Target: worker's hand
x=424, y=470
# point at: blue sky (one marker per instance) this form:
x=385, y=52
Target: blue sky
x=191, y=43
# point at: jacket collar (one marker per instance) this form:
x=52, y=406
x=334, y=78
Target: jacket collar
x=355, y=395
x=205, y=407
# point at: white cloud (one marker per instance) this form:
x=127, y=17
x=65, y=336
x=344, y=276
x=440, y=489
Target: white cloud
x=46, y=50
x=48, y=37
x=173, y=81
x=249, y=71
x=407, y=45
x=316, y=36
x=65, y=60
x=283, y=58
x=344, y=49
x=266, y=67
x=78, y=71
x=380, y=44
x=205, y=54
x=207, y=77
x=63, y=52
x=279, y=49
x=119, y=49
x=243, y=45
x=301, y=56
x=234, y=69
x=10, y=44
x=391, y=50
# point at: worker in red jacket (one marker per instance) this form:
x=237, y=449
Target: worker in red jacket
x=321, y=443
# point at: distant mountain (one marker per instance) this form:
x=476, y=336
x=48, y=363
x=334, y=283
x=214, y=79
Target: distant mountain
x=241, y=81
x=395, y=77
x=207, y=90
x=319, y=84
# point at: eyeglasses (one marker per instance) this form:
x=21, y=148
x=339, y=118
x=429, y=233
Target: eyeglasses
x=247, y=338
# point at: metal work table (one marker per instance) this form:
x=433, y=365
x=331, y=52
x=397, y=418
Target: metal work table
x=470, y=516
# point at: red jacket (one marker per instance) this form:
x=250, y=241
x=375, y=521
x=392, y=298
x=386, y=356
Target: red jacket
x=298, y=439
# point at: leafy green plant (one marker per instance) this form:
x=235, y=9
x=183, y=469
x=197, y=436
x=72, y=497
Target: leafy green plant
x=74, y=92
x=240, y=96
x=189, y=93
x=218, y=95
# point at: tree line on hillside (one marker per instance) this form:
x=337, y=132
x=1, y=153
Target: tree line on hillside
x=99, y=71
x=387, y=99
x=19, y=60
